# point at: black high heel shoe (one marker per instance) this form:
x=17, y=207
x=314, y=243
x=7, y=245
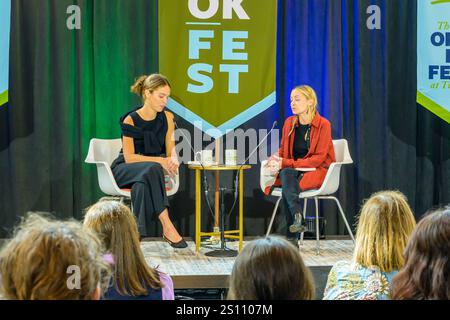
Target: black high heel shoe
x=178, y=245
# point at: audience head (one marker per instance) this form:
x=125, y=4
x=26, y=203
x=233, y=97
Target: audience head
x=270, y=269
x=116, y=226
x=52, y=260
x=426, y=274
x=384, y=227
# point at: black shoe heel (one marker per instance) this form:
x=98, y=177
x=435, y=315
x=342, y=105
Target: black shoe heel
x=178, y=245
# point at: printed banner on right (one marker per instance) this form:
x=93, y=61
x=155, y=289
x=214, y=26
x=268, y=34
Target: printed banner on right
x=433, y=56
x=5, y=10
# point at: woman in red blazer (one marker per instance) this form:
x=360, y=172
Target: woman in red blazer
x=305, y=143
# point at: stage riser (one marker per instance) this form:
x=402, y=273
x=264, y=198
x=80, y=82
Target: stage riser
x=191, y=271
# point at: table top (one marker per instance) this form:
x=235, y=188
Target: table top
x=218, y=167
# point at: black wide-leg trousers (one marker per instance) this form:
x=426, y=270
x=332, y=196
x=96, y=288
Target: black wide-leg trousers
x=290, y=187
x=148, y=190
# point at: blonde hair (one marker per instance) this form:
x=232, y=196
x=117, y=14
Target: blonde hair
x=309, y=94
x=270, y=269
x=34, y=264
x=151, y=82
x=116, y=226
x=385, y=224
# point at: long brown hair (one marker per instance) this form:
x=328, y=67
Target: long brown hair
x=149, y=82
x=116, y=226
x=426, y=274
x=384, y=227
x=270, y=269
x=38, y=262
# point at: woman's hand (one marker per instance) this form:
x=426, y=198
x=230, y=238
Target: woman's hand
x=174, y=164
x=273, y=157
x=170, y=165
x=274, y=165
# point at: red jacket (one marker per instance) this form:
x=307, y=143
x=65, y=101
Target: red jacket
x=320, y=154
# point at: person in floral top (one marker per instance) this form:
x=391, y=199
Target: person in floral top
x=385, y=225
x=348, y=281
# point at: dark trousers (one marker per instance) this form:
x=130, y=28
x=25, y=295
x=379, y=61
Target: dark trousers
x=148, y=190
x=290, y=179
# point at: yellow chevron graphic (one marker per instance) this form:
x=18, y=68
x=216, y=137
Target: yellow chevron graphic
x=440, y=1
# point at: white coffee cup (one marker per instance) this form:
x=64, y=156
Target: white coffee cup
x=231, y=157
x=205, y=157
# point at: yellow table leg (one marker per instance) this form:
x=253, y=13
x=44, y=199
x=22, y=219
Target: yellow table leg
x=198, y=208
x=216, y=199
x=241, y=208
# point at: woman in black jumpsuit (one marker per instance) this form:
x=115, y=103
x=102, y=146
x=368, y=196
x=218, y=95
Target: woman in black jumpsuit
x=148, y=152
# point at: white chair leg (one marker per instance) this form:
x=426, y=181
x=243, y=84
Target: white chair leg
x=273, y=217
x=124, y=200
x=317, y=226
x=305, y=204
x=344, y=218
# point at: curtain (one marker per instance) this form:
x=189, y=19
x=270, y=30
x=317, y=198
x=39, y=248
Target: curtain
x=67, y=86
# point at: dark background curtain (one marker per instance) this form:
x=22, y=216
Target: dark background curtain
x=68, y=86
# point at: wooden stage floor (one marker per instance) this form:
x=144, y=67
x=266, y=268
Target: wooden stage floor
x=191, y=270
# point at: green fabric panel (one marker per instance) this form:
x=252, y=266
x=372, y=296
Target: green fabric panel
x=70, y=86
x=119, y=43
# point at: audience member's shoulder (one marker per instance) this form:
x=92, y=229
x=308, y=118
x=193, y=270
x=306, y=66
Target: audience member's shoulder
x=164, y=277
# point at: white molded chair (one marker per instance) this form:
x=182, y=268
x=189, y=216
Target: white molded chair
x=102, y=153
x=329, y=186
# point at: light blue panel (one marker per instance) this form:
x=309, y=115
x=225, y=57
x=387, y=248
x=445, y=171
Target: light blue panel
x=5, y=22
x=429, y=17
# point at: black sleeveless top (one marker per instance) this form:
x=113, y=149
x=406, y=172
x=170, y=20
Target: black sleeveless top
x=152, y=140
x=301, y=141
x=149, y=136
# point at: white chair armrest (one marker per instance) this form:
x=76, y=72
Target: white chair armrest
x=106, y=180
x=172, y=184
x=266, y=178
